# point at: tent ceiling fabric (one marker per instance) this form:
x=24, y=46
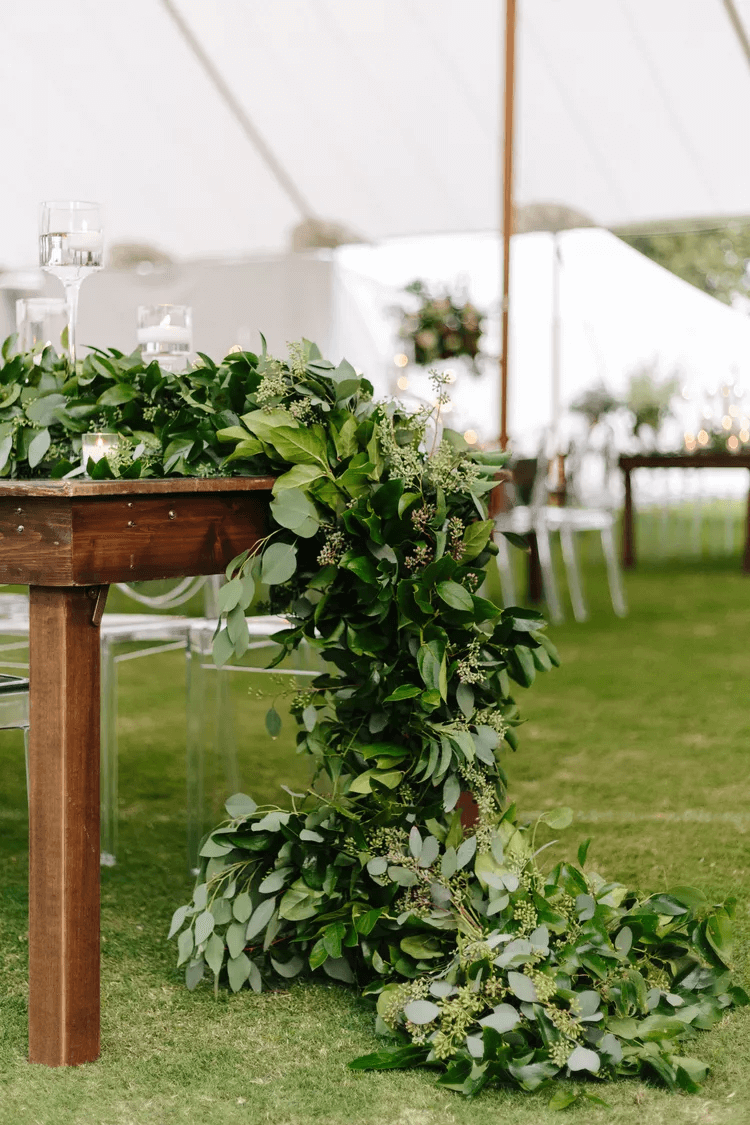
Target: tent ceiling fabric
x=385, y=115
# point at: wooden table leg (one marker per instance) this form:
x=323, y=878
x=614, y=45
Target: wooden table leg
x=63, y=826
x=628, y=526
x=535, y=587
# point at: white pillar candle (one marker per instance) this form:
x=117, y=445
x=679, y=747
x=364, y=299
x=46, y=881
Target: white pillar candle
x=164, y=334
x=85, y=240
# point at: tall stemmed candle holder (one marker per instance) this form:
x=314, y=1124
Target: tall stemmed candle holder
x=165, y=334
x=70, y=247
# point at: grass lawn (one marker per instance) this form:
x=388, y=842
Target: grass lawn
x=643, y=731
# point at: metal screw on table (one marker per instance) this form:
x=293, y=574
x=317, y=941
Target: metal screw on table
x=19, y=529
x=171, y=515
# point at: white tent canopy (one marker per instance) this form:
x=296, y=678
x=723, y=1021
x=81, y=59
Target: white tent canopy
x=382, y=116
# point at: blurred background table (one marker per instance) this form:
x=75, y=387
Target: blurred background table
x=629, y=462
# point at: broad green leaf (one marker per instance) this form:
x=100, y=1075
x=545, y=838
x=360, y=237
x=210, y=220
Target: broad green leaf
x=274, y=880
x=214, y=953
x=719, y=934
x=345, y=439
x=338, y=968
x=421, y=1011
x=42, y=410
x=624, y=940
x=234, y=433
x=240, y=805
x=292, y=508
x=455, y=596
x=466, y=852
x=476, y=538
x=299, y=446
x=229, y=595
x=194, y=973
x=391, y=1058
x=204, y=925
x=504, y=1017
x=235, y=938
x=465, y=699
x=177, y=920
x=38, y=447
x=430, y=851
x=405, y=691
x=333, y=936
x=238, y=970
x=223, y=649
x=117, y=395
x=278, y=564
x=185, y=945
x=432, y=667
x=299, y=476
x=242, y=907
x=250, y=447
x=273, y=722
x=558, y=818
x=451, y=792
x=561, y=1099
x=581, y=1058
x=290, y=968
x=422, y=948
x=522, y=986
x=260, y=918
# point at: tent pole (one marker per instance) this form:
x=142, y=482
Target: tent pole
x=507, y=205
x=555, y=344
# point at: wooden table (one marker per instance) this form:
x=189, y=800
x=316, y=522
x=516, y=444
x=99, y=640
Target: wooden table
x=69, y=540
x=675, y=461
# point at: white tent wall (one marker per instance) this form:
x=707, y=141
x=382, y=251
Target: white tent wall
x=619, y=311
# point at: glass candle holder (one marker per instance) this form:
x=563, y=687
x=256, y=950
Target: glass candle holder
x=41, y=321
x=70, y=248
x=165, y=334
x=97, y=445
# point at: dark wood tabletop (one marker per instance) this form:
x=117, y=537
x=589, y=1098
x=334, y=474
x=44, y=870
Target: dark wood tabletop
x=698, y=460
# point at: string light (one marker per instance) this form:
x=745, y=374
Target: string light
x=733, y=410
x=733, y=443
x=400, y=359
x=744, y=435
x=402, y=383
x=450, y=377
x=689, y=442
x=702, y=437
x=726, y=422
x=470, y=437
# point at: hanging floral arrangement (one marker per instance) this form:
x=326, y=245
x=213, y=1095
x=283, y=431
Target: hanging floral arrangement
x=444, y=327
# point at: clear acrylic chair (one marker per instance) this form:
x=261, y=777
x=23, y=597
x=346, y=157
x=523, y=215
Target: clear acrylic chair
x=210, y=720
x=14, y=710
x=155, y=632
x=568, y=520
x=527, y=519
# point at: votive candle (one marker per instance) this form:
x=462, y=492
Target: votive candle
x=97, y=445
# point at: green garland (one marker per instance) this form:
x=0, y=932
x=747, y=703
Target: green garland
x=480, y=964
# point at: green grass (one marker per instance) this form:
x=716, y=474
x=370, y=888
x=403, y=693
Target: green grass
x=643, y=731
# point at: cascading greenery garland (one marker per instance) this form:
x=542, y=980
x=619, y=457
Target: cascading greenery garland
x=482, y=965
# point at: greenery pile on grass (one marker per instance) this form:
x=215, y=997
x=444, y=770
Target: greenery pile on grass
x=660, y=784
